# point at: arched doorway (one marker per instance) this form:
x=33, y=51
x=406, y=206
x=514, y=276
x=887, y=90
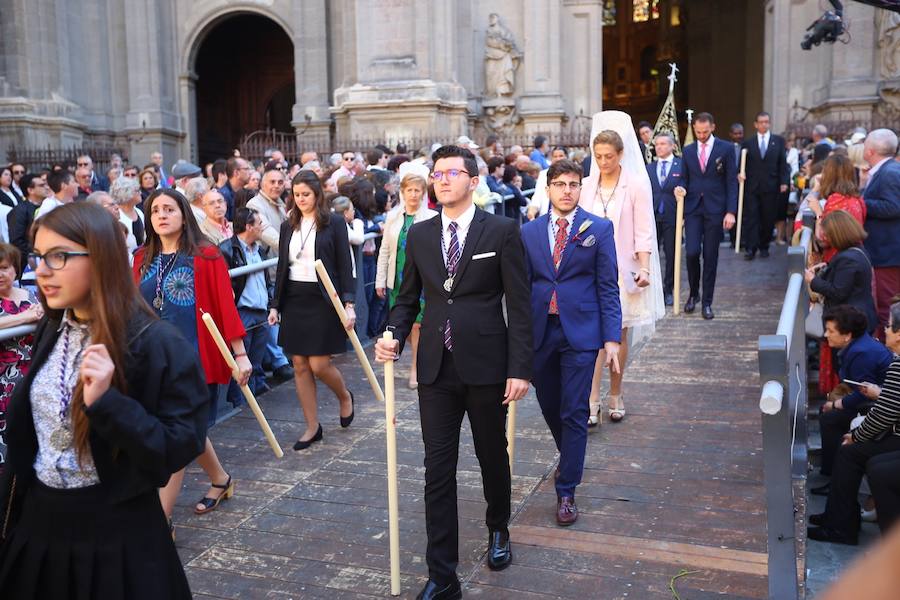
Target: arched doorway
x=718, y=47
x=245, y=82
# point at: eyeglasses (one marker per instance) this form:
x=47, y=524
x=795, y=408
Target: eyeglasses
x=562, y=185
x=55, y=260
x=17, y=172
x=450, y=174
x=348, y=158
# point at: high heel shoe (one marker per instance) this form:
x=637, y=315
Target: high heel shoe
x=345, y=421
x=616, y=413
x=211, y=504
x=303, y=445
x=595, y=416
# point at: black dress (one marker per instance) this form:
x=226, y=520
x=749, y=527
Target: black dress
x=309, y=324
x=109, y=539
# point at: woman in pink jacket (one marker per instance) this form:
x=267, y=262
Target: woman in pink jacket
x=618, y=189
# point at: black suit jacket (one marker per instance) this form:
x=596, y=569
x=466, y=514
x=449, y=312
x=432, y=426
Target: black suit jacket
x=766, y=174
x=19, y=221
x=485, y=350
x=332, y=248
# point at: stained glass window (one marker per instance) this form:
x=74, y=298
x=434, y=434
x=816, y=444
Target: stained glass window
x=609, y=12
x=644, y=10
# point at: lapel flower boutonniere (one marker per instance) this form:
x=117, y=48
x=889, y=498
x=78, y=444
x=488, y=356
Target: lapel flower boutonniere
x=584, y=227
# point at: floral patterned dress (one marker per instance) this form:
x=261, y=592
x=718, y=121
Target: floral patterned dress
x=15, y=357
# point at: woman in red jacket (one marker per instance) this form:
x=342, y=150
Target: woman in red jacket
x=181, y=276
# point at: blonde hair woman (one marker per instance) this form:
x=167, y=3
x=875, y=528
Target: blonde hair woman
x=618, y=189
x=413, y=208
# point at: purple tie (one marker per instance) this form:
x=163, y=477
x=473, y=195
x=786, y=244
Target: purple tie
x=452, y=264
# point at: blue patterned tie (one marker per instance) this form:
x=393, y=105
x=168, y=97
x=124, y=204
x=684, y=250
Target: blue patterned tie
x=762, y=147
x=452, y=264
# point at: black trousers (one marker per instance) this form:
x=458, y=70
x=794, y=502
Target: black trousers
x=441, y=408
x=703, y=232
x=842, y=509
x=760, y=212
x=665, y=234
x=883, y=471
x=833, y=425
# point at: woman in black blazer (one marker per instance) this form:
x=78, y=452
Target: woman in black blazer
x=113, y=404
x=847, y=278
x=310, y=328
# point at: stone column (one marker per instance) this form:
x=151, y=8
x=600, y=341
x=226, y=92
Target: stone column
x=311, y=56
x=541, y=105
x=581, y=71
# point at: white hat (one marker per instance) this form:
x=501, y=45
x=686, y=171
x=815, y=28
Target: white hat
x=857, y=138
x=435, y=146
x=465, y=140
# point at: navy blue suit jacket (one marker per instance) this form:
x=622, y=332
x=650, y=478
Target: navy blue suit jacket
x=665, y=195
x=865, y=360
x=586, y=283
x=882, y=196
x=714, y=192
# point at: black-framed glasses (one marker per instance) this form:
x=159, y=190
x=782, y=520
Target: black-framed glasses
x=562, y=185
x=55, y=260
x=450, y=174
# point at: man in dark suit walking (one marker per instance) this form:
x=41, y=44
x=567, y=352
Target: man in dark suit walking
x=575, y=308
x=665, y=175
x=710, y=176
x=767, y=180
x=470, y=361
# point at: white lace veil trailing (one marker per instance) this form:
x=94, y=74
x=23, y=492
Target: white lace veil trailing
x=632, y=163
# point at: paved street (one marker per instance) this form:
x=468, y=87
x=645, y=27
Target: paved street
x=676, y=486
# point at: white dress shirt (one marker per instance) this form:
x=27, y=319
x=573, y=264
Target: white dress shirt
x=659, y=171
x=762, y=138
x=462, y=229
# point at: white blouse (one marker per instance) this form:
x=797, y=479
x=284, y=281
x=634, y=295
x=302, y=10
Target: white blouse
x=302, y=253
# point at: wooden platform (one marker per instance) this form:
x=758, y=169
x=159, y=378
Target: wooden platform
x=677, y=486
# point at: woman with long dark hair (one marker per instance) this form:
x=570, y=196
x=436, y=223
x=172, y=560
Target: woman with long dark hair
x=113, y=404
x=310, y=329
x=182, y=275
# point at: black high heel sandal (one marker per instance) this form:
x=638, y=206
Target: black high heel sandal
x=345, y=421
x=211, y=504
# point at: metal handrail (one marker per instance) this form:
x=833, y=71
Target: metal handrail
x=782, y=404
x=13, y=332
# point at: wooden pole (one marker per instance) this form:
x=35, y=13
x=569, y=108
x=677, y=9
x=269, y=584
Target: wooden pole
x=248, y=395
x=511, y=434
x=679, y=232
x=740, y=215
x=390, y=428
x=351, y=333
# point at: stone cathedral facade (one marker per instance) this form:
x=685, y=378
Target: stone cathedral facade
x=184, y=75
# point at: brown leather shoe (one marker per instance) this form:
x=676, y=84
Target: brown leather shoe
x=566, y=511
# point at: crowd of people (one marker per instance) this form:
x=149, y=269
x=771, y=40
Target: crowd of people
x=565, y=256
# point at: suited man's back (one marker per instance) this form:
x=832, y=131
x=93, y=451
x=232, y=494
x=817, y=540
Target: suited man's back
x=882, y=197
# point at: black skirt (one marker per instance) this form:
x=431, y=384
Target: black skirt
x=309, y=324
x=77, y=544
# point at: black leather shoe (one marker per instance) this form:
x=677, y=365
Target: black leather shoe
x=817, y=520
x=433, y=591
x=304, y=444
x=499, y=551
x=749, y=254
x=670, y=299
x=691, y=304
x=284, y=373
x=707, y=312
x=826, y=534
x=822, y=490
x=764, y=253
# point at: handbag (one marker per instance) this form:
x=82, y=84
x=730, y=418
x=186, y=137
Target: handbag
x=814, y=326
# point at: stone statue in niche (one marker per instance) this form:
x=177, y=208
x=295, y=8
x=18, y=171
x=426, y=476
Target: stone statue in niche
x=501, y=59
x=889, y=43
x=501, y=116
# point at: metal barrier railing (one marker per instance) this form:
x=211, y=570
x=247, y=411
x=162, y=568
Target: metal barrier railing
x=783, y=401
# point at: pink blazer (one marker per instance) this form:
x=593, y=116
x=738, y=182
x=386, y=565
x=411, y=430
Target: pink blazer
x=631, y=212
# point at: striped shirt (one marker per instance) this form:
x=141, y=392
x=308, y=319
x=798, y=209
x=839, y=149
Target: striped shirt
x=884, y=417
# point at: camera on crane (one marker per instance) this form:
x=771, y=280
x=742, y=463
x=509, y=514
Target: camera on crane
x=827, y=28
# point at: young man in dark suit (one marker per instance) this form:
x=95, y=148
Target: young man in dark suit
x=575, y=309
x=470, y=361
x=711, y=180
x=767, y=178
x=665, y=175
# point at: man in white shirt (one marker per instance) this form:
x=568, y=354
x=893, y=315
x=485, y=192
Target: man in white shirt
x=63, y=189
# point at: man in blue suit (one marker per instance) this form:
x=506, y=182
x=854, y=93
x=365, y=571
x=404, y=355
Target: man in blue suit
x=710, y=175
x=570, y=255
x=882, y=197
x=665, y=175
